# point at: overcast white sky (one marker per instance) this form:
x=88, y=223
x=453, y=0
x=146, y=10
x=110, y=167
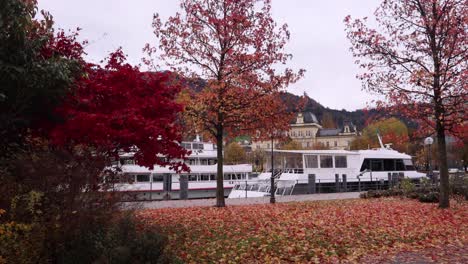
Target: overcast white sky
x=318, y=41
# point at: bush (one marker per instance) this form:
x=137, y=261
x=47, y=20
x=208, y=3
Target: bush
x=17, y=244
x=459, y=186
x=432, y=197
x=120, y=242
x=56, y=211
x=407, y=186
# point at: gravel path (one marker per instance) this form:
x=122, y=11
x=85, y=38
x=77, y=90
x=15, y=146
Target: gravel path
x=240, y=201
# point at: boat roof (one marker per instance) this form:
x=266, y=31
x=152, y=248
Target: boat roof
x=316, y=151
x=239, y=168
x=367, y=153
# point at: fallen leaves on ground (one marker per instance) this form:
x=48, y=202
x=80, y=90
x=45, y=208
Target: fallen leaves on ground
x=330, y=231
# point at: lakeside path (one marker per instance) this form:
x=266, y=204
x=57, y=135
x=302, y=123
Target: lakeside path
x=240, y=201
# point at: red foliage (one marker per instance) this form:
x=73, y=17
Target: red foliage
x=65, y=46
x=118, y=107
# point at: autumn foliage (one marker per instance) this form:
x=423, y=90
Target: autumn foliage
x=312, y=232
x=416, y=59
x=117, y=107
x=237, y=48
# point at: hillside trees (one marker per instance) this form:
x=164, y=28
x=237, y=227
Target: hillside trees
x=234, y=154
x=234, y=46
x=392, y=130
x=417, y=59
x=328, y=121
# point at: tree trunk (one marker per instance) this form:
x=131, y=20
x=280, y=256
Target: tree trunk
x=220, y=176
x=444, y=201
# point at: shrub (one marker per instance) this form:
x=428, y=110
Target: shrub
x=459, y=186
x=407, y=186
x=119, y=242
x=432, y=197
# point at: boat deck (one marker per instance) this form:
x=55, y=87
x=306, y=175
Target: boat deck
x=239, y=201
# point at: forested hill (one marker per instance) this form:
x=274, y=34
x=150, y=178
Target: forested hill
x=358, y=117
x=292, y=101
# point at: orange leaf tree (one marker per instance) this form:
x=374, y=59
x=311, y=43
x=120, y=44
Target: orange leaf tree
x=417, y=59
x=235, y=46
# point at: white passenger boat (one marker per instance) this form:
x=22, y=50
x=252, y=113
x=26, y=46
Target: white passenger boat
x=330, y=170
x=140, y=183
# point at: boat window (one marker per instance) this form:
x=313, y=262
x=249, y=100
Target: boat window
x=341, y=162
x=408, y=164
x=127, y=161
x=205, y=177
x=377, y=165
x=212, y=177
x=186, y=145
x=227, y=177
x=126, y=178
x=400, y=166
x=197, y=146
x=311, y=161
x=142, y=178
x=192, y=177
x=365, y=165
x=158, y=177
x=389, y=164
x=326, y=161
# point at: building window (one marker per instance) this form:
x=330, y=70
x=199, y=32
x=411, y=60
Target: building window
x=328, y=144
x=326, y=161
x=308, y=144
x=336, y=144
x=311, y=161
x=341, y=162
x=268, y=145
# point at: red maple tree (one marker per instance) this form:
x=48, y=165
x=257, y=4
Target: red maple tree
x=118, y=107
x=234, y=45
x=417, y=59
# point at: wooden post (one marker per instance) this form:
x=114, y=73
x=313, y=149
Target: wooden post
x=183, y=181
x=312, y=185
x=337, y=183
x=345, y=183
x=390, y=183
x=167, y=186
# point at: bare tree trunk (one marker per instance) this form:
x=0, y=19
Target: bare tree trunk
x=444, y=201
x=220, y=176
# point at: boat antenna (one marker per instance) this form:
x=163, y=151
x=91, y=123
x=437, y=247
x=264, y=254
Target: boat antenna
x=380, y=139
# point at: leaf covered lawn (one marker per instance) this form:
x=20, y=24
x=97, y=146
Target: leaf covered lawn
x=331, y=231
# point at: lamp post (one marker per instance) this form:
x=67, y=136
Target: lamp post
x=272, y=179
x=428, y=142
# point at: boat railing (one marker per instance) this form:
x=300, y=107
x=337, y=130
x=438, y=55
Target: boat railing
x=282, y=187
x=294, y=170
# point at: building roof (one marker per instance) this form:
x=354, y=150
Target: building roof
x=327, y=132
x=309, y=118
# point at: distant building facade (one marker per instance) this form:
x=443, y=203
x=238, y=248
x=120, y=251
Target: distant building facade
x=307, y=131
